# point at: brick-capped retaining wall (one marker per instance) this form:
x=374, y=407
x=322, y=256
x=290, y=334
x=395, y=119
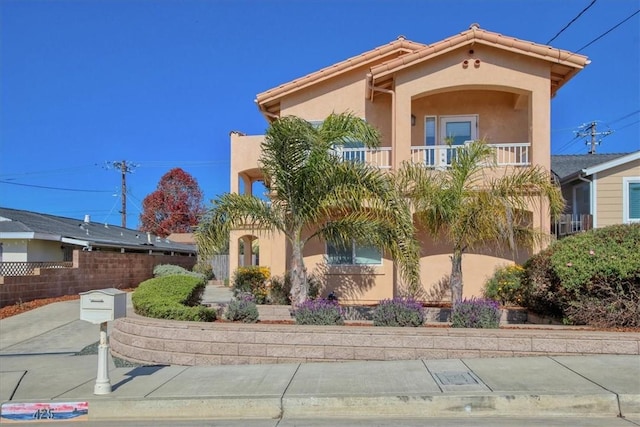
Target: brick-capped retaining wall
x=158, y=341
x=91, y=270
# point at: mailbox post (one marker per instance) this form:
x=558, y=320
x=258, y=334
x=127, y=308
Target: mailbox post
x=99, y=307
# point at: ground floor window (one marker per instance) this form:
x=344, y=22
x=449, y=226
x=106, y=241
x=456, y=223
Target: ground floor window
x=631, y=199
x=354, y=254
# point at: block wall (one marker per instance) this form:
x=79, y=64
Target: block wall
x=91, y=270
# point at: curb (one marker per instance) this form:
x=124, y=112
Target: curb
x=430, y=406
x=185, y=408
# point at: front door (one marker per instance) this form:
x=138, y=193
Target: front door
x=456, y=130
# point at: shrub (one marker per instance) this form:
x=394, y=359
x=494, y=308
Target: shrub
x=319, y=312
x=279, y=290
x=172, y=297
x=243, y=309
x=174, y=270
x=590, y=278
x=506, y=285
x=205, y=268
x=252, y=280
x=476, y=313
x=398, y=312
x=314, y=284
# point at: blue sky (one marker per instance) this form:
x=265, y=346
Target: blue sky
x=161, y=83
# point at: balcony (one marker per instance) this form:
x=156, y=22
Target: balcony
x=435, y=156
x=379, y=157
x=441, y=156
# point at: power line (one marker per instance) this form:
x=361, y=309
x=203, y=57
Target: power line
x=158, y=163
x=608, y=31
x=567, y=144
x=624, y=117
x=571, y=22
x=54, y=188
x=49, y=172
x=630, y=124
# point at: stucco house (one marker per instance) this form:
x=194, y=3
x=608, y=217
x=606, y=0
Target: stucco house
x=600, y=189
x=476, y=84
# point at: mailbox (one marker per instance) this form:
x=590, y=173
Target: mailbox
x=103, y=305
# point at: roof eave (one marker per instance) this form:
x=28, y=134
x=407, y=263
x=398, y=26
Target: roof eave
x=381, y=71
x=612, y=163
x=267, y=98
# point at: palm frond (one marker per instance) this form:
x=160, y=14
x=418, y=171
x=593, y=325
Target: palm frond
x=234, y=211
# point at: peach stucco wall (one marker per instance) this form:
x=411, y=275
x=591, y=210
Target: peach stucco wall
x=318, y=101
x=509, y=93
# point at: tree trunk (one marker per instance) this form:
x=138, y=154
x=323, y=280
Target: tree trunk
x=455, y=281
x=299, y=285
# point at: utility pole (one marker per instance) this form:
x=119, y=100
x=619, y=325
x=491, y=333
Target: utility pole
x=125, y=168
x=591, y=131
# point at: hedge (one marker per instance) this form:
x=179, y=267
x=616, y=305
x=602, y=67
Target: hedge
x=172, y=297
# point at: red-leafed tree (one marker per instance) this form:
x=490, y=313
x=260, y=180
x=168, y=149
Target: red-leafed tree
x=175, y=206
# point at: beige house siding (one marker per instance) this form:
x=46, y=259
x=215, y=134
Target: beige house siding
x=609, y=193
x=30, y=250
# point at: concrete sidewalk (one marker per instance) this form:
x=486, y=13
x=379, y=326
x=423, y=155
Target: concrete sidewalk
x=38, y=363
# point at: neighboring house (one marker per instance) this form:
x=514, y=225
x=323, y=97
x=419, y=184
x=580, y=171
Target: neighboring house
x=474, y=85
x=600, y=189
x=45, y=256
x=183, y=238
x=34, y=237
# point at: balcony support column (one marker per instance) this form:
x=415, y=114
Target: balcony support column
x=402, y=128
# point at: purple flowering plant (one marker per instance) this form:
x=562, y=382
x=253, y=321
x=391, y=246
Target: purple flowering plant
x=319, y=311
x=476, y=313
x=398, y=312
x=243, y=308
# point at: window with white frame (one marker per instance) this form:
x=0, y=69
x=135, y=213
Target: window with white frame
x=455, y=129
x=430, y=130
x=353, y=254
x=631, y=199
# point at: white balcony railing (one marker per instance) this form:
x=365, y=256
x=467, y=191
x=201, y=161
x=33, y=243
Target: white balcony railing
x=441, y=156
x=379, y=157
x=436, y=156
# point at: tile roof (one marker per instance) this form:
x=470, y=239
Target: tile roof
x=95, y=234
x=565, y=63
x=398, y=47
x=566, y=165
x=402, y=53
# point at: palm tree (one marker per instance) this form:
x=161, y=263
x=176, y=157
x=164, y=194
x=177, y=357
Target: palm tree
x=312, y=194
x=469, y=205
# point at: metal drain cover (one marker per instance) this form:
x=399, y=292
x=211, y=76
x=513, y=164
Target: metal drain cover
x=455, y=378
